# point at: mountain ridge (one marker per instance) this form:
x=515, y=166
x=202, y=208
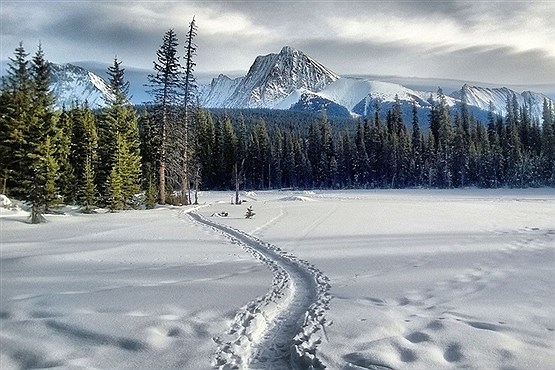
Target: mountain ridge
x=70, y=84
x=359, y=96
x=270, y=79
x=291, y=79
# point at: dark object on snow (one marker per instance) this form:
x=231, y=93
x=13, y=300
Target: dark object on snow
x=249, y=213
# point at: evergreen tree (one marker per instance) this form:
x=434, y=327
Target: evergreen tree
x=361, y=161
x=263, y=154
x=119, y=123
x=15, y=114
x=205, y=149
x=188, y=103
x=548, y=144
x=444, y=149
x=229, y=139
x=40, y=173
x=62, y=141
x=151, y=195
x=417, y=149
x=250, y=213
x=513, y=150
x=115, y=189
x=84, y=153
x=88, y=193
x=166, y=85
x=150, y=147
x=277, y=159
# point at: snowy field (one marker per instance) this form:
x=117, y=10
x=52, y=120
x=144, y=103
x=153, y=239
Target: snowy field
x=418, y=279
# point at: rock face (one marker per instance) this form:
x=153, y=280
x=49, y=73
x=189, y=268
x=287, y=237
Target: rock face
x=270, y=79
x=71, y=83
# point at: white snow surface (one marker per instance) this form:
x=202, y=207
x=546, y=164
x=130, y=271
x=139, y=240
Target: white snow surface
x=291, y=99
x=418, y=279
x=348, y=92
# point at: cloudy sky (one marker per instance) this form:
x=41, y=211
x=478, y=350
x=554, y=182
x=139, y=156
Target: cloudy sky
x=501, y=42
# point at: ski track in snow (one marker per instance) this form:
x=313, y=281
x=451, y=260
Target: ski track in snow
x=283, y=328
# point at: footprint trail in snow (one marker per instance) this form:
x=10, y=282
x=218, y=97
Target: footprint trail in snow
x=282, y=329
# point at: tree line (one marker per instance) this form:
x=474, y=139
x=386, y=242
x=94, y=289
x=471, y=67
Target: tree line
x=455, y=150
x=123, y=157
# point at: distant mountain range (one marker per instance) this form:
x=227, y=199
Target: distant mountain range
x=292, y=80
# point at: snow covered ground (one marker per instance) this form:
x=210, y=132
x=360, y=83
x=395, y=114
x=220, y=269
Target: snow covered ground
x=418, y=279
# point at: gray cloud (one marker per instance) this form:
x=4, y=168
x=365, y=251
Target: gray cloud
x=232, y=33
x=499, y=65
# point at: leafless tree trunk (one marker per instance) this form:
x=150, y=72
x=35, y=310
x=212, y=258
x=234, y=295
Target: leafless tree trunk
x=238, y=179
x=162, y=170
x=190, y=48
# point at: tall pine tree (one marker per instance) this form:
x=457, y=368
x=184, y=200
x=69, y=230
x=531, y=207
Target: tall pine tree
x=118, y=129
x=165, y=85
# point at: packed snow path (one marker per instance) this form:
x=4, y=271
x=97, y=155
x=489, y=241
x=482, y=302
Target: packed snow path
x=282, y=329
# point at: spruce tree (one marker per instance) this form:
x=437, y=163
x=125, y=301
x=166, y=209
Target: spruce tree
x=84, y=154
x=548, y=144
x=88, y=193
x=189, y=85
x=15, y=114
x=118, y=129
x=417, y=147
x=40, y=175
x=51, y=173
x=229, y=151
x=115, y=189
x=62, y=141
x=165, y=86
x=361, y=163
x=150, y=143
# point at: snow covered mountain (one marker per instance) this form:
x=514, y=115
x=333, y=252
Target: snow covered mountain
x=270, y=79
x=362, y=97
x=219, y=91
x=293, y=80
x=71, y=83
x=481, y=96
